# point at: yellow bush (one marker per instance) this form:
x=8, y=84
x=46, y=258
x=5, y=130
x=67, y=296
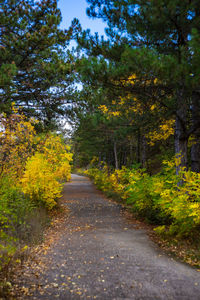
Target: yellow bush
x=163, y=199
x=31, y=171
x=46, y=169
x=57, y=154
x=16, y=139
x=182, y=202
x=39, y=182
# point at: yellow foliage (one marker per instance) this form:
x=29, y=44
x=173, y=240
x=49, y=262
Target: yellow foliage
x=46, y=169
x=103, y=108
x=58, y=155
x=159, y=198
x=128, y=104
x=152, y=107
x=108, y=113
x=16, y=139
x=40, y=172
x=31, y=171
x=164, y=131
x=39, y=182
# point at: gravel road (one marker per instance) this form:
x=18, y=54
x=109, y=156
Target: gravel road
x=100, y=255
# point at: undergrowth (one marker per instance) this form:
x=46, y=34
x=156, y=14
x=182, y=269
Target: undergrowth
x=159, y=199
x=33, y=169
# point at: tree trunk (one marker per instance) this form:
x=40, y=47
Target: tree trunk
x=115, y=155
x=181, y=140
x=195, y=149
x=138, y=147
x=129, y=157
x=144, y=152
x=125, y=160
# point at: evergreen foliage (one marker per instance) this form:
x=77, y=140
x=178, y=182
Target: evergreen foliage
x=36, y=70
x=158, y=42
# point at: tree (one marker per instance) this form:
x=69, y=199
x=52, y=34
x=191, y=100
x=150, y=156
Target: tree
x=97, y=134
x=154, y=40
x=36, y=70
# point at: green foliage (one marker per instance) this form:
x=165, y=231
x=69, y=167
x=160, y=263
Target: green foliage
x=158, y=42
x=13, y=203
x=179, y=199
x=163, y=199
x=143, y=200
x=35, y=68
x=14, y=208
x=33, y=169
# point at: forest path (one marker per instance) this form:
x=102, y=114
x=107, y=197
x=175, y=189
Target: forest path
x=100, y=255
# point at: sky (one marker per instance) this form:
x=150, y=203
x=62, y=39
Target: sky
x=71, y=9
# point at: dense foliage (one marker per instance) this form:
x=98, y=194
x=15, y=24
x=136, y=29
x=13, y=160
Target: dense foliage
x=147, y=69
x=140, y=105
x=156, y=198
x=33, y=169
x=36, y=84
x=36, y=70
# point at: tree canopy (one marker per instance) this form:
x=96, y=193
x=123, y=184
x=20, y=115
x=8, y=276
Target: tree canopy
x=36, y=68
x=158, y=43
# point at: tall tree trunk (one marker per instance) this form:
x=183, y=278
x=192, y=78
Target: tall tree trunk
x=115, y=155
x=125, y=160
x=143, y=152
x=100, y=160
x=181, y=140
x=138, y=146
x=195, y=150
x=130, y=160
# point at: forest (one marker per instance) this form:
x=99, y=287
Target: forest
x=132, y=100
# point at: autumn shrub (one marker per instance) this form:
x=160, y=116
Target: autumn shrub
x=103, y=179
x=17, y=139
x=58, y=155
x=46, y=170
x=39, y=181
x=164, y=199
x=21, y=221
x=14, y=208
x=32, y=171
x=141, y=197
x=110, y=182
x=16, y=145
x=179, y=199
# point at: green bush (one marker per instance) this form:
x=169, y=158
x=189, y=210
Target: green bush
x=164, y=199
x=14, y=209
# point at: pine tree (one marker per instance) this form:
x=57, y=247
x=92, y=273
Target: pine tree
x=36, y=71
x=155, y=40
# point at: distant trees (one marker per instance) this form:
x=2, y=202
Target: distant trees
x=146, y=73
x=159, y=42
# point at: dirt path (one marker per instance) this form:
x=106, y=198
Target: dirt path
x=99, y=255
